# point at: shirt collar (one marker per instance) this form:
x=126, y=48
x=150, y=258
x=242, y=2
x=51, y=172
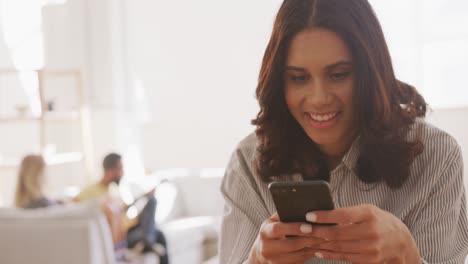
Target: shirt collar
x=351, y=157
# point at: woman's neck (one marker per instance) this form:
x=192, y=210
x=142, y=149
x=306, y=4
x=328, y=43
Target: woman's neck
x=334, y=153
x=333, y=162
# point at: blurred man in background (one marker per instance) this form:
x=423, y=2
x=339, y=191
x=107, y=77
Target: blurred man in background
x=126, y=231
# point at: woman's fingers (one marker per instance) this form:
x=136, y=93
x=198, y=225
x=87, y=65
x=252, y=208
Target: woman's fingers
x=345, y=215
x=287, y=245
x=276, y=230
x=300, y=256
x=348, y=257
x=360, y=246
x=277, y=239
x=349, y=232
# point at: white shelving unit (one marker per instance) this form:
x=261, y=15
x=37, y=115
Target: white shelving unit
x=45, y=117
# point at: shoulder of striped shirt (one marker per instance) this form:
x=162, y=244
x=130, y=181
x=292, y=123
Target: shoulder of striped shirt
x=430, y=133
x=249, y=141
x=248, y=145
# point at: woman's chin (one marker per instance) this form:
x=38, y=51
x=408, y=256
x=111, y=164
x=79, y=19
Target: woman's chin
x=325, y=142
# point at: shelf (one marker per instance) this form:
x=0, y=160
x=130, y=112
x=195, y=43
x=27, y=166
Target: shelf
x=61, y=116
x=11, y=119
x=48, y=116
x=43, y=71
x=56, y=159
x=75, y=114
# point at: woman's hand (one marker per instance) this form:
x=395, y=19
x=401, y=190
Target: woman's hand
x=274, y=243
x=363, y=234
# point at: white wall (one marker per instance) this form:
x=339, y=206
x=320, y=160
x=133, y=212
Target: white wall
x=427, y=41
x=198, y=62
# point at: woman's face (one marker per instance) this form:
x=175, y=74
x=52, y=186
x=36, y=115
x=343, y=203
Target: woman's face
x=319, y=81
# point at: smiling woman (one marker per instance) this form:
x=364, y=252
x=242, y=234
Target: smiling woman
x=326, y=65
x=332, y=109
x=318, y=91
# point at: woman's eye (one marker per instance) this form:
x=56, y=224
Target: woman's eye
x=339, y=75
x=299, y=78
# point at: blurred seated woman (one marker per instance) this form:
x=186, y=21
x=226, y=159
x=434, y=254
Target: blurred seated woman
x=29, y=189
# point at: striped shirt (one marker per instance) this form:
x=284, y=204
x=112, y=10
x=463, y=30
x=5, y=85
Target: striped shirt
x=431, y=203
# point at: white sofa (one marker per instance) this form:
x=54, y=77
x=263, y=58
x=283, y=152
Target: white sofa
x=189, y=212
x=74, y=234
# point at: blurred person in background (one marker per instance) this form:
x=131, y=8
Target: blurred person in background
x=131, y=232
x=31, y=178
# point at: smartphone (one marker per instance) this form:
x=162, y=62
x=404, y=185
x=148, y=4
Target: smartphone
x=293, y=200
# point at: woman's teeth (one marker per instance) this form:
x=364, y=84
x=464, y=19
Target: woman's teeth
x=323, y=118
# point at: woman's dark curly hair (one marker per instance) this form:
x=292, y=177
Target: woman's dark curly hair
x=384, y=107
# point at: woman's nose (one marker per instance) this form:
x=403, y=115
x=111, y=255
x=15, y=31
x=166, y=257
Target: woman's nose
x=318, y=94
